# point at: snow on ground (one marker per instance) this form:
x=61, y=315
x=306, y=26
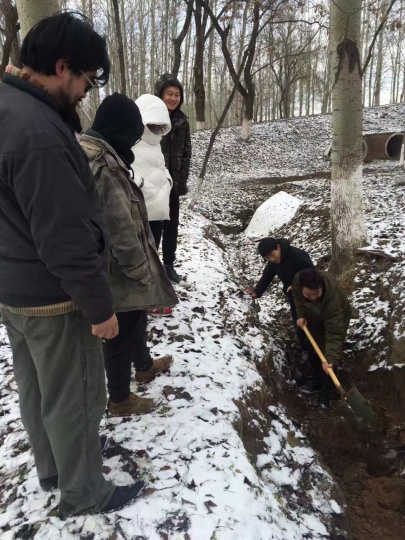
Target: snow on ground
x=272, y=214
x=202, y=481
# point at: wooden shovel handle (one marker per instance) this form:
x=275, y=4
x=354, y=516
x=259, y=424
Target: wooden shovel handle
x=331, y=373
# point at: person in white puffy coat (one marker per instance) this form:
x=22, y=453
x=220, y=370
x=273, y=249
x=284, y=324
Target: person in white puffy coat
x=149, y=167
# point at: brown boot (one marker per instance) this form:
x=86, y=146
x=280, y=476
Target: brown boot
x=132, y=405
x=159, y=365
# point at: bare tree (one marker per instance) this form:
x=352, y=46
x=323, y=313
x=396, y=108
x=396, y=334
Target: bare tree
x=347, y=217
x=180, y=38
x=214, y=134
x=120, y=45
x=259, y=21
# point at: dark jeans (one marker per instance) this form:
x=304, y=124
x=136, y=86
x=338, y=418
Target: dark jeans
x=58, y=367
x=129, y=347
x=171, y=230
x=157, y=228
x=322, y=379
x=300, y=333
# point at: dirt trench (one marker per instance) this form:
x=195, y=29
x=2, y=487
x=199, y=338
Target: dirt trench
x=367, y=465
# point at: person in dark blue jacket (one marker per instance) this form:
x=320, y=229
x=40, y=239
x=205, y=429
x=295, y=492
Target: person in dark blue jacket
x=284, y=261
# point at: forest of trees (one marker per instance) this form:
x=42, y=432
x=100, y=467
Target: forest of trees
x=275, y=51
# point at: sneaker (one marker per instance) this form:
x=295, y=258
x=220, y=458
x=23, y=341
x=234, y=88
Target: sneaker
x=123, y=496
x=159, y=365
x=51, y=483
x=172, y=274
x=132, y=405
x=160, y=312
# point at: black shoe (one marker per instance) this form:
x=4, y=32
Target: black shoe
x=172, y=274
x=124, y=496
x=50, y=483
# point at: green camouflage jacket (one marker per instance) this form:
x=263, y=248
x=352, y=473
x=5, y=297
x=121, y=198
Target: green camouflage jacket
x=137, y=277
x=328, y=318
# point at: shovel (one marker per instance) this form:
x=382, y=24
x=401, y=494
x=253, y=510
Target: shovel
x=352, y=399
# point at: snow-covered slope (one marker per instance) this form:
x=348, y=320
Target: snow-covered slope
x=202, y=481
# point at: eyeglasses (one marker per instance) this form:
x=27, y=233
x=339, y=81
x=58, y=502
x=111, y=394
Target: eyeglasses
x=91, y=85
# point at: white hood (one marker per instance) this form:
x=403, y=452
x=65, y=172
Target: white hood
x=153, y=111
x=149, y=167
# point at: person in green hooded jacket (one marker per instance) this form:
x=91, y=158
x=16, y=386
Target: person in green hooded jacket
x=323, y=307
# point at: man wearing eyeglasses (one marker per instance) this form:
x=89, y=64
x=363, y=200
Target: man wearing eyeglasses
x=55, y=298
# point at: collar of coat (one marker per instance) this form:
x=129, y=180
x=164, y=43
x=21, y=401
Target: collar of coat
x=17, y=72
x=101, y=148
x=18, y=78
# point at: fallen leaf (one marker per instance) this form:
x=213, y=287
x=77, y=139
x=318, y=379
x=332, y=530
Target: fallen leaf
x=209, y=505
x=185, y=501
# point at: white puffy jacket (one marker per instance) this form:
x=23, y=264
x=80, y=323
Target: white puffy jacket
x=149, y=167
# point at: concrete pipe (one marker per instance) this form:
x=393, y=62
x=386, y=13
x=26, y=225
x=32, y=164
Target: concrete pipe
x=383, y=145
x=393, y=145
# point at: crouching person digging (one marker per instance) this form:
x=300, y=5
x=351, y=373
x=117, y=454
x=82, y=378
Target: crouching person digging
x=323, y=306
x=137, y=278
x=283, y=261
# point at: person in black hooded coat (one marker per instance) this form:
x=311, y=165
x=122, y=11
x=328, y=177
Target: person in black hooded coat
x=284, y=261
x=176, y=148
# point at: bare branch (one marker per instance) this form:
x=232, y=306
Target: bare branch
x=379, y=29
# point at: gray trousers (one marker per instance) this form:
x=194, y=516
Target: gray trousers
x=59, y=370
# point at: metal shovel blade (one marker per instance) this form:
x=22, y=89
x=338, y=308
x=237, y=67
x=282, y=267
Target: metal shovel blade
x=359, y=406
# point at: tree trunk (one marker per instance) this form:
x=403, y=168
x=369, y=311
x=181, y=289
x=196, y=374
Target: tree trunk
x=326, y=87
x=120, y=45
x=378, y=73
x=180, y=38
x=347, y=217
x=30, y=12
x=210, y=104
x=198, y=69
x=10, y=16
x=250, y=94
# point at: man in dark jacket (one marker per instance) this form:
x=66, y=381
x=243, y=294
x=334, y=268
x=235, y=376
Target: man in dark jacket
x=137, y=278
x=55, y=298
x=284, y=261
x=176, y=147
x=323, y=306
